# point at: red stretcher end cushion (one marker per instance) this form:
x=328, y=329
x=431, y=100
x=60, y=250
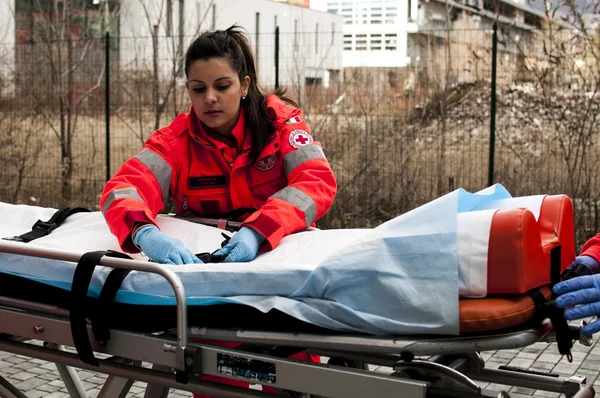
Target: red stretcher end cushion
x=519, y=261
x=519, y=245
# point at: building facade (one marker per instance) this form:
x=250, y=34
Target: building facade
x=389, y=33
x=310, y=41
x=375, y=31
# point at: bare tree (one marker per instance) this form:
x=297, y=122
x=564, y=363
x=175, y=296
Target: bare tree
x=166, y=56
x=58, y=46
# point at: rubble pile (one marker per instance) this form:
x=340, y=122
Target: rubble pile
x=527, y=118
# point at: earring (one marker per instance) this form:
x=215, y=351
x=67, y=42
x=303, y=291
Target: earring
x=244, y=97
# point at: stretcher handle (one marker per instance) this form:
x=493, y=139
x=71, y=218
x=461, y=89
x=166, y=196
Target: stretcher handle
x=221, y=223
x=135, y=265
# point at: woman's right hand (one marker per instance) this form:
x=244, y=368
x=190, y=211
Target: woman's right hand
x=163, y=249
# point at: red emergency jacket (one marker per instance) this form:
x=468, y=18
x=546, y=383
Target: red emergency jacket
x=287, y=189
x=592, y=248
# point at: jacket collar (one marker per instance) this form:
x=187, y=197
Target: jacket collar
x=200, y=135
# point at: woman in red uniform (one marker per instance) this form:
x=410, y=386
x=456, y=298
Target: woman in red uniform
x=238, y=150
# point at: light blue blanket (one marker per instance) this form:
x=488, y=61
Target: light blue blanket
x=398, y=278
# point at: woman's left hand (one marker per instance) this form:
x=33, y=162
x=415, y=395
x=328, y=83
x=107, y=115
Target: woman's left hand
x=242, y=247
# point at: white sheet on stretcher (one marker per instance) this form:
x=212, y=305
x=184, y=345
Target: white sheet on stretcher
x=401, y=277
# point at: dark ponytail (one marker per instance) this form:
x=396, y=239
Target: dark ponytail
x=233, y=45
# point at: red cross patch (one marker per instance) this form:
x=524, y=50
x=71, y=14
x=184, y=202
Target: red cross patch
x=300, y=138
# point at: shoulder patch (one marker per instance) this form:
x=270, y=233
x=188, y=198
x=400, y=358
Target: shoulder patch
x=266, y=163
x=299, y=138
x=294, y=120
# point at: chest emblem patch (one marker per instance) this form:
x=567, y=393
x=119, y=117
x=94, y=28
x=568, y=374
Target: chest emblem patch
x=299, y=138
x=266, y=163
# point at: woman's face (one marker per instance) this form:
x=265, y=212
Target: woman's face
x=216, y=91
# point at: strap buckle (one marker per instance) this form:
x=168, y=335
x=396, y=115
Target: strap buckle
x=45, y=226
x=577, y=270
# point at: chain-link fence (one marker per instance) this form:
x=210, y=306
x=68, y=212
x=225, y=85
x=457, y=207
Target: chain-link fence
x=395, y=137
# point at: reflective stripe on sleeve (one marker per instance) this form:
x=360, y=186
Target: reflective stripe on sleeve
x=122, y=193
x=295, y=158
x=299, y=199
x=160, y=169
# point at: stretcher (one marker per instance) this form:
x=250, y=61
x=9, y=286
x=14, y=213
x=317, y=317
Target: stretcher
x=175, y=346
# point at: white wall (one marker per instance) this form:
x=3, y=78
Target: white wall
x=311, y=57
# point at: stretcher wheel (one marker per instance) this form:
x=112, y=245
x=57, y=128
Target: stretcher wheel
x=348, y=363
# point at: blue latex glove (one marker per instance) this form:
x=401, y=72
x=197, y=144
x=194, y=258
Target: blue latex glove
x=589, y=262
x=583, y=291
x=242, y=247
x=163, y=249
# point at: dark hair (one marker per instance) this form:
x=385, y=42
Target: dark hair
x=232, y=44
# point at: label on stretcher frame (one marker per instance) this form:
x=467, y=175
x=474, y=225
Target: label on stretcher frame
x=249, y=369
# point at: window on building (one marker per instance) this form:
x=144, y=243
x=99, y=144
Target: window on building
x=169, y=18
x=256, y=38
x=295, y=35
x=316, y=38
x=313, y=81
x=390, y=41
x=214, y=17
x=332, y=32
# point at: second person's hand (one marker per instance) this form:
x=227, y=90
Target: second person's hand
x=582, y=293
x=163, y=249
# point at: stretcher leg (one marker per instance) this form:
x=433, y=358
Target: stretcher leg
x=7, y=390
x=115, y=387
x=69, y=376
x=156, y=390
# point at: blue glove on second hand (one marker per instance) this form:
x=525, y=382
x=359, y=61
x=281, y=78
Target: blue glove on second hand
x=242, y=247
x=583, y=291
x=589, y=262
x=163, y=249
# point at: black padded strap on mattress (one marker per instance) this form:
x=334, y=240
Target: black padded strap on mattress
x=78, y=310
x=555, y=314
x=107, y=296
x=43, y=228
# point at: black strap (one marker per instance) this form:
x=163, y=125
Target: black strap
x=537, y=297
x=107, y=295
x=207, y=257
x=559, y=323
x=79, y=301
x=43, y=228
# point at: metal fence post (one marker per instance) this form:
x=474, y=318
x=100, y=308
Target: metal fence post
x=107, y=100
x=493, y=105
x=276, y=56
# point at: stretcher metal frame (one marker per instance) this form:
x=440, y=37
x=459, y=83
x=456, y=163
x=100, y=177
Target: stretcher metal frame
x=435, y=366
